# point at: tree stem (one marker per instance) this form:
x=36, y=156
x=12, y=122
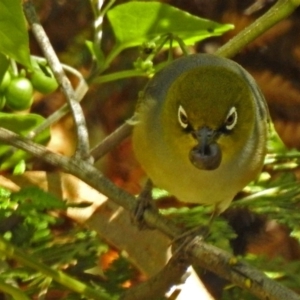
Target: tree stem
x=279, y=11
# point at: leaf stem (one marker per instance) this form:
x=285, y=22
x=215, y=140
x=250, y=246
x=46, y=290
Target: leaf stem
x=119, y=75
x=82, y=148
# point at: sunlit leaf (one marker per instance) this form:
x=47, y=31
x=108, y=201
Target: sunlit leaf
x=13, y=32
x=136, y=22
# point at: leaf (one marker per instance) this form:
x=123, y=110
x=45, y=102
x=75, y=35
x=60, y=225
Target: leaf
x=21, y=124
x=20, y=167
x=96, y=51
x=36, y=198
x=4, y=194
x=4, y=63
x=13, y=32
x=275, y=144
x=136, y=22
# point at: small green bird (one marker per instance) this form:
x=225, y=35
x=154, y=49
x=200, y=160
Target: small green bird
x=201, y=129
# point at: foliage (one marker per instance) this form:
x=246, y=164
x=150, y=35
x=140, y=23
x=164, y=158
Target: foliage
x=36, y=221
x=134, y=23
x=23, y=125
x=13, y=24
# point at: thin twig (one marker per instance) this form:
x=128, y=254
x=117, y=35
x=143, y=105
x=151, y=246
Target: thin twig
x=279, y=11
x=98, y=23
x=201, y=253
x=111, y=141
x=82, y=150
x=205, y=255
x=256, y=6
x=80, y=91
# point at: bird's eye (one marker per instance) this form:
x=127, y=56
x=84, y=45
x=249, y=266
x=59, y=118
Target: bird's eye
x=231, y=119
x=182, y=117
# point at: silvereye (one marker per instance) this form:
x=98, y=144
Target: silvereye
x=201, y=129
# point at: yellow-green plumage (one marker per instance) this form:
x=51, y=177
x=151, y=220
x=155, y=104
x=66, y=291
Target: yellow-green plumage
x=201, y=129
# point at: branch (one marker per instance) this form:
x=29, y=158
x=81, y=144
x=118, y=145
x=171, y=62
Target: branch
x=160, y=283
x=79, y=120
x=278, y=12
x=98, y=23
x=80, y=91
x=237, y=272
x=202, y=254
x=111, y=141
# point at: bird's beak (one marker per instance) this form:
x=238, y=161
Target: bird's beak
x=206, y=155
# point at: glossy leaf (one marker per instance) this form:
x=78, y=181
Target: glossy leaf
x=95, y=51
x=4, y=62
x=13, y=32
x=21, y=124
x=136, y=22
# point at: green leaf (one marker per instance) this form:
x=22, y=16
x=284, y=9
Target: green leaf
x=4, y=194
x=275, y=144
x=136, y=22
x=4, y=63
x=36, y=198
x=21, y=124
x=20, y=167
x=13, y=32
x=96, y=51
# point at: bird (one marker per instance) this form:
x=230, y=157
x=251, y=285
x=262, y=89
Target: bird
x=200, y=129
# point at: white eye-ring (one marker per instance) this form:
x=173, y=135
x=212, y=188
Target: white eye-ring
x=231, y=119
x=182, y=117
